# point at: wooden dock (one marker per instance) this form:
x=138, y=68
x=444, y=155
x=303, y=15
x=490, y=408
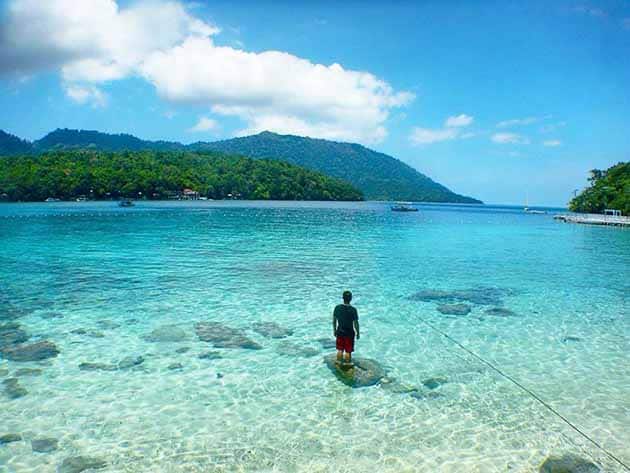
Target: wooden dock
x=595, y=219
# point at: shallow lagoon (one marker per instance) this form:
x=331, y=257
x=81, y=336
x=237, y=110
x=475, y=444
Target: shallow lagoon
x=98, y=280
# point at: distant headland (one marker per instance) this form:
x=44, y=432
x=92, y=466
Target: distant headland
x=376, y=175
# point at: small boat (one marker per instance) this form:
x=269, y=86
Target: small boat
x=125, y=203
x=527, y=210
x=81, y=199
x=51, y=199
x=403, y=207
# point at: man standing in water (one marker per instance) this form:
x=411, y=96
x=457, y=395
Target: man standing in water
x=345, y=325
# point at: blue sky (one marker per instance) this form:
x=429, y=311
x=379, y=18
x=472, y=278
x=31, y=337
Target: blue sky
x=497, y=100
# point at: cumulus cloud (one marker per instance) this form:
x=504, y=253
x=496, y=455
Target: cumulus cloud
x=459, y=120
x=86, y=95
x=552, y=143
x=96, y=41
x=275, y=90
x=92, y=40
x=509, y=138
x=204, y=124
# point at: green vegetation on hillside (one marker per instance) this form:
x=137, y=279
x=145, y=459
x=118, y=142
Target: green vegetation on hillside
x=159, y=174
x=11, y=144
x=379, y=176
x=609, y=189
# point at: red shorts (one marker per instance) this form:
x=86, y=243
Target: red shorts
x=345, y=344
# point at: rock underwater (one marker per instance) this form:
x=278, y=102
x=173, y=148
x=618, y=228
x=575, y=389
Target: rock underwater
x=272, y=330
x=454, y=309
x=366, y=372
x=568, y=463
x=222, y=336
x=30, y=352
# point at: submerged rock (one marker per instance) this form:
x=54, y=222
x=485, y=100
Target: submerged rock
x=222, y=336
x=28, y=372
x=570, y=338
x=79, y=464
x=210, y=355
x=12, y=334
x=430, y=395
x=365, y=372
x=9, y=438
x=78, y=331
x=295, y=349
x=12, y=388
x=454, y=309
x=4, y=372
x=477, y=296
x=86, y=366
x=130, y=362
x=394, y=386
x=272, y=330
x=568, y=463
x=44, y=445
x=327, y=343
x=182, y=350
x=31, y=352
x=499, y=312
x=95, y=334
x=167, y=333
x=175, y=366
x=51, y=315
x=434, y=383
x=107, y=324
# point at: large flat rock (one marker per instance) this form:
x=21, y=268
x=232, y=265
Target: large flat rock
x=365, y=372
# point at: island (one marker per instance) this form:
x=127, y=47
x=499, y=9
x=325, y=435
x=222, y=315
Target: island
x=99, y=175
x=609, y=190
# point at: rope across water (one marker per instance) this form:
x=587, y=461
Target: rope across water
x=528, y=391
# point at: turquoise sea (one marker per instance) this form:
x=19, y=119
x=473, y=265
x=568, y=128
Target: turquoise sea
x=119, y=291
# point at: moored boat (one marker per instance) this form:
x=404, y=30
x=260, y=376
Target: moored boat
x=403, y=207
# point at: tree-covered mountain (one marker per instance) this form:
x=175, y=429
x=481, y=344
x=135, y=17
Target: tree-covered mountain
x=10, y=145
x=377, y=175
x=160, y=174
x=609, y=189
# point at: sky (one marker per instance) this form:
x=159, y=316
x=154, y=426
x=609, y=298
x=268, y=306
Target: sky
x=504, y=101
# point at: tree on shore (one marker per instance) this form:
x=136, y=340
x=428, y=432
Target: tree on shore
x=609, y=189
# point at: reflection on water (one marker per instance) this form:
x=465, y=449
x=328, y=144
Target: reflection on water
x=141, y=383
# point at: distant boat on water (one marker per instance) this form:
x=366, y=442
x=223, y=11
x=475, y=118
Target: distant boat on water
x=51, y=199
x=527, y=210
x=126, y=203
x=403, y=207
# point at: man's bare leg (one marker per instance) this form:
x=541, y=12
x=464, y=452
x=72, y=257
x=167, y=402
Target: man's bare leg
x=339, y=355
x=348, y=359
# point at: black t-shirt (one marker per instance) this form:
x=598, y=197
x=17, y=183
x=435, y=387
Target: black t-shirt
x=345, y=315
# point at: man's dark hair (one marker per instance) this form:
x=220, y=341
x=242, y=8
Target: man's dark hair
x=347, y=296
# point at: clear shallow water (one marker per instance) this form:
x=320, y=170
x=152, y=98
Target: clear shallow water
x=121, y=273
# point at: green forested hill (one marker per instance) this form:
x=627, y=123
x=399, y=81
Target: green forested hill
x=156, y=174
x=10, y=145
x=377, y=175
x=610, y=189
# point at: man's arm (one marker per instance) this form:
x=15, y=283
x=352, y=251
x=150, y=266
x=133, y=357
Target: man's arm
x=356, y=328
x=334, y=325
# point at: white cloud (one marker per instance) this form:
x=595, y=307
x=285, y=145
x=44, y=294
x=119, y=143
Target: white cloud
x=509, y=138
x=204, y=124
x=91, y=40
x=459, y=120
x=83, y=94
x=521, y=121
x=421, y=136
x=275, y=91
x=552, y=143
x=97, y=41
